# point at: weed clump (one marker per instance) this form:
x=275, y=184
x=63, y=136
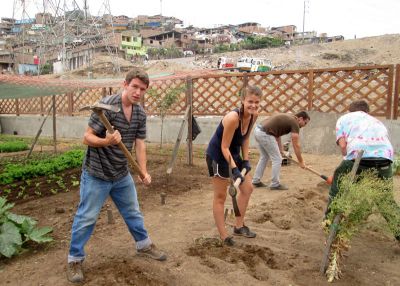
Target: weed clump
x=356, y=201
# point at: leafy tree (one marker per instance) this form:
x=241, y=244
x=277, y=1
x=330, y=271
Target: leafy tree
x=165, y=102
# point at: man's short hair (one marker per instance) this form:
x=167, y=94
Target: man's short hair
x=359, y=105
x=303, y=115
x=137, y=73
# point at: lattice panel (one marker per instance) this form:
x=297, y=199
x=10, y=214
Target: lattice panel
x=47, y=103
x=62, y=104
x=159, y=89
x=324, y=90
x=335, y=90
x=282, y=92
x=87, y=97
x=7, y=106
x=216, y=95
x=29, y=106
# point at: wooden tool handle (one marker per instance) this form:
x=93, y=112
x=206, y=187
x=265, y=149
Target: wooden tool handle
x=313, y=171
x=121, y=145
x=237, y=182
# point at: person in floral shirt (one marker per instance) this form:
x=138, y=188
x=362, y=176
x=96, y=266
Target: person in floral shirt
x=355, y=131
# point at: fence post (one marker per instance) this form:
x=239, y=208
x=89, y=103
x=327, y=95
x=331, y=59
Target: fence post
x=41, y=106
x=396, y=93
x=245, y=81
x=310, y=89
x=390, y=92
x=70, y=100
x=53, y=102
x=189, y=100
x=104, y=92
x=17, y=106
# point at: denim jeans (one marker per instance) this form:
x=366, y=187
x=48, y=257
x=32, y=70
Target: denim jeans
x=269, y=149
x=93, y=193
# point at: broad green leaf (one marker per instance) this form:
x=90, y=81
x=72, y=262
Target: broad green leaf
x=4, y=206
x=10, y=239
x=20, y=219
x=27, y=226
x=39, y=234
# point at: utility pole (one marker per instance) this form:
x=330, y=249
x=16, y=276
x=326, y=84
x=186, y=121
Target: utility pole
x=160, y=7
x=85, y=8
x=304, y=16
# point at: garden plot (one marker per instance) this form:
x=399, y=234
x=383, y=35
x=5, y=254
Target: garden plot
x=287, y=250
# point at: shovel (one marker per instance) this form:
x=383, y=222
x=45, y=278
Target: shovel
x=233, y=189
x=327, y=179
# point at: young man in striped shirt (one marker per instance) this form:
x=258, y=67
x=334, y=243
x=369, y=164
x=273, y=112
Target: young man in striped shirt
x=105, y=173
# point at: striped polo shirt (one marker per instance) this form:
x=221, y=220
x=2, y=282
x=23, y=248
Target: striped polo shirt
x=109, y=163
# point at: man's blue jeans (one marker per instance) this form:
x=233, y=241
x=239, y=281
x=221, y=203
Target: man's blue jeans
x=93, y=193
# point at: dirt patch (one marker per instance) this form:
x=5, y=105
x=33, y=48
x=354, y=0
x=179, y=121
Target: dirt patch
x=287, y=250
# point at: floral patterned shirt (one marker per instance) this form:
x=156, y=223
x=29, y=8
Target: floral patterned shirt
x=362, y=131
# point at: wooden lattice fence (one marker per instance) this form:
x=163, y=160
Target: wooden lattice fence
x=324, y=90
x=396, y=101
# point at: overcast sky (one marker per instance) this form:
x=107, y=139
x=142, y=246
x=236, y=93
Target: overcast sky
x=336, y=17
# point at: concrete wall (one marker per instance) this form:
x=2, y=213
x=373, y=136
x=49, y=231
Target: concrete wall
x=317, y=137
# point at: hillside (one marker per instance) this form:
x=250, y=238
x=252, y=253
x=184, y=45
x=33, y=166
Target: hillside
x=366, y=51
x=378, y=50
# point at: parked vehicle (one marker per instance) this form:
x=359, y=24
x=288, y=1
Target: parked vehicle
x=188, y=53
x=253, y=65
x=245, y=64
x=224, y=63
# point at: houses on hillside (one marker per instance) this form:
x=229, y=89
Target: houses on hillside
x=71, y=41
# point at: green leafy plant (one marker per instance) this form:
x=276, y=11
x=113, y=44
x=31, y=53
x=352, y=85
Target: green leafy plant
x=396, y=165
x=13, y=146
x=356, y=201
x=16, y=230
x=75, y=183
x=23, y=171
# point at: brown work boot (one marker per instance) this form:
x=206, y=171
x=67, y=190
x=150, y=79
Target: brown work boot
x=75, y=272
x=152, y=252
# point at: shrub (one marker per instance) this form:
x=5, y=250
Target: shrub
x=356, y=202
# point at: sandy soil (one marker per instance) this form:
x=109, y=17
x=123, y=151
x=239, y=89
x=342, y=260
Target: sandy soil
x=287, y=250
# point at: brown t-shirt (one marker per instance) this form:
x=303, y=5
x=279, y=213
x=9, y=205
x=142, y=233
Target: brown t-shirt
x=280, y=124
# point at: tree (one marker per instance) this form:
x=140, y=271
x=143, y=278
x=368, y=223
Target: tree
x=165, y=102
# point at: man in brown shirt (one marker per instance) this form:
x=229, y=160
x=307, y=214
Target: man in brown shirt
x=268, y=136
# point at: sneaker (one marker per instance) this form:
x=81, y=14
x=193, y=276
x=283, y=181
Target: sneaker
x=228, y=241
x=244, y=231
x=280, y=187
x=152, y=252
x=75, y=272
x=259, y=185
